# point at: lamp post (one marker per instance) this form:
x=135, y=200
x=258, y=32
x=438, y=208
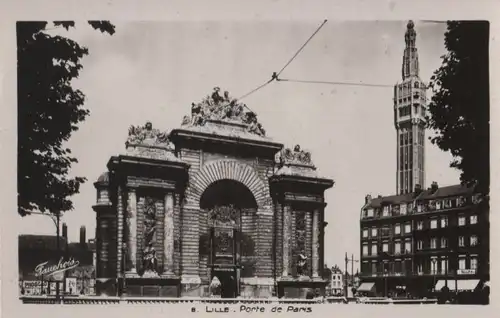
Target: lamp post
x=347, y=260
x=56, y=218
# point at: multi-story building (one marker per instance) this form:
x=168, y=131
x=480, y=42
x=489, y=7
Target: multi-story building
x=412, y=243
x=336, y=281
x=420, y=240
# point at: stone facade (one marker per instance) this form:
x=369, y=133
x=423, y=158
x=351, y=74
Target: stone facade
x=215, y=197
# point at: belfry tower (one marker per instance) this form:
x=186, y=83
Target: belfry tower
x=409, y=119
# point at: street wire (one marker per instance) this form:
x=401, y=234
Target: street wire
x=332, y=83
x=290, y=61
x=275, y=75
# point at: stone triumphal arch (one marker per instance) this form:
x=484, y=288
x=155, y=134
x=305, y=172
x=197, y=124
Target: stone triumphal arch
x=214, y=207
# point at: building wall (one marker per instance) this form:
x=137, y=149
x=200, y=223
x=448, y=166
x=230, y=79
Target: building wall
x=410, y=267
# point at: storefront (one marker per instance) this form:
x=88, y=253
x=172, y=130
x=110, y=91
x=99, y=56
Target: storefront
x=41, y=270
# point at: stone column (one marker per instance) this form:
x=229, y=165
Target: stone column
x=287, y=231
x=119, y=233
x=168, y=240
x=315, y=243
x=132, y=231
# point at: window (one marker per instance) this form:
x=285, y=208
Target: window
x=444, y=242
x=433, y=243
x=385, y=247
x=374, y=248
x=434, y=263
x=374, y=268
x=397, y=248
x=402, y=209
x=473, y=240
x=444, y=265
x=370, y=213
x=397, y=229
x=473, y=219
x=420, y=268
x=385, y=211
x=447, y=204
x=365, y=250
x=460, y=201
x=434, y=224
x=408, y=247
x=461, y=241
x=420, y=244
x=374, y=232
x=420, y=225
x=407, y=228
x=444, y=222
x=461, y=220
x=419, y=208
x=438, y=205
x=365, y=233
x=473, y=263
x=461, y=263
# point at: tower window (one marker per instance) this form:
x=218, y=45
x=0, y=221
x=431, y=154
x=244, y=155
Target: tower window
x=416, y=85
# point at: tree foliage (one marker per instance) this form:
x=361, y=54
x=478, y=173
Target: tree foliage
x=49, y=111
x=459, y=109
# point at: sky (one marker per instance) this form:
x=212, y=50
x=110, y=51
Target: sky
x=155, y=70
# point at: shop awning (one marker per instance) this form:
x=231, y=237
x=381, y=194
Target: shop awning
x=462, y=284
x=366, y=287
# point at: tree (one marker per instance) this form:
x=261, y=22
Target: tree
x=459, y=109
x=49, y=111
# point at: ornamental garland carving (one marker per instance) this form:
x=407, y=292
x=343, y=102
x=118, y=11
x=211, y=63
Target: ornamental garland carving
x=223, y=215
x=225, y=108
x=150, y=261
x=300, y=232
x=138, y=135
x=295, y=156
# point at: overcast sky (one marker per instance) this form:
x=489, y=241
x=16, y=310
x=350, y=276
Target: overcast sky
x=153, y=71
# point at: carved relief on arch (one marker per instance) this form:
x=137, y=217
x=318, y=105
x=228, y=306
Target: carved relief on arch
x=230, y=170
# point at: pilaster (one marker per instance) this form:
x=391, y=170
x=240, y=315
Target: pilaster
x=168, y=240
x=132, y=233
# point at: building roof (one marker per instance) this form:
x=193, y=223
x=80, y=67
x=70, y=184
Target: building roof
x=392, y=199
x=429, y=194
x=103, y=178
x=448, y=191
x=40, y=242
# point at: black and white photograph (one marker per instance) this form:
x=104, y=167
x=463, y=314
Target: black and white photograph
x=233, y=164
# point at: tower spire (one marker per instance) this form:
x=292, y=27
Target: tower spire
x=410, y=56
x=409, y=119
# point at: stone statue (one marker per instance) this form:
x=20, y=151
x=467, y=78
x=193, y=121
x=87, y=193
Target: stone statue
x=297, y=156
x=301, y=265
x=150, y=261
x=217, y=107
x=216, y=97
x=146, y=134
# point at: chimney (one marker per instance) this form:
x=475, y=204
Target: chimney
x=418, y=189
x=82, y=234
x=368, y=199
x=434, y=187
x=65, y=231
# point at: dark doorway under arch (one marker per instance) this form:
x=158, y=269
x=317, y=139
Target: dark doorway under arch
x=222, y=205
x=227, y=192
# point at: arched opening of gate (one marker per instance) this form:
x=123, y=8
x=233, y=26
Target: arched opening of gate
x=225, y=206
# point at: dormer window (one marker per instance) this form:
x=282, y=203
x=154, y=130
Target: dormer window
x=369, y=213
x=402, y=208
x=385, y=211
